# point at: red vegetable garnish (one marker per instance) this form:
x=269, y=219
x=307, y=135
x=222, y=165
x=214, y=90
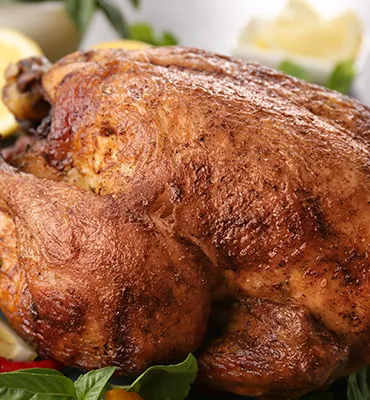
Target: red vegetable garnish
x=9, y=366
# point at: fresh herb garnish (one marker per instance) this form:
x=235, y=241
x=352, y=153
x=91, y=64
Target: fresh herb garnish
x=163, y=382
x=82, y=11
x=295, y=70
x=144, y=32
x=92, y=385
x=115, y=17
x=359, y=385
x=40, y=384
x=340, y=79
x=342, y=76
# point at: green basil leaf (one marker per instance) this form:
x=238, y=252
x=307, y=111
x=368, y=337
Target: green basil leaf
x=342, y=77
x=28, y=384
x=115, y=17
x=359, y=385
x=142, y=32
x=168, y=39
x=21, y=394
x=163, y=382
x=92, y=385
x=81, y=12
x=295, y=70
x=38, y=371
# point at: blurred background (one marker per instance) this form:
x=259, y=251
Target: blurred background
x=213, y=24
x=322, y=41
x=217, y=24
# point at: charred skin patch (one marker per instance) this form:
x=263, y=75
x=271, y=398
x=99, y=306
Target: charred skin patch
x=313, y=214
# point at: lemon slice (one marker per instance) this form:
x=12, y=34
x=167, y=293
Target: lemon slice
x=13, y=347
x=125, y=44
x=13, y=46
x=298, y=30
x=338, y=39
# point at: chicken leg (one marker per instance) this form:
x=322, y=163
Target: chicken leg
x=87, y=261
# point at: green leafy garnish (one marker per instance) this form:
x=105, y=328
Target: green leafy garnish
x=162, y=382
x=81, y=12
x=92, y=385
x=340, y=79
x=359, y=385
x=168, y=39
x=144, y=32
x=115, y=17
x=40, y=384
x=342, y=76
x=295, y=70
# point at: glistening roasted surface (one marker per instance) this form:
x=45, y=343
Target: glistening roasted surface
x=265, y=177
x=95, y=299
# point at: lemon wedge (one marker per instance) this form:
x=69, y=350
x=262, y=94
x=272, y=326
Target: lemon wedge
x=125, y=44
x=13, y=347
x=334, y=40
x=13, y=46
x=301, y=35
x=299, y=30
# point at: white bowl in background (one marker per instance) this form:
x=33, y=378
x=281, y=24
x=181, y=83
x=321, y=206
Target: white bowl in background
x=47, y=23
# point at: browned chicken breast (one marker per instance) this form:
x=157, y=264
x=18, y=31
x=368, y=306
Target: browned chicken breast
x=172, y=201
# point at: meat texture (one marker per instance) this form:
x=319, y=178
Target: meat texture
x=179, y=201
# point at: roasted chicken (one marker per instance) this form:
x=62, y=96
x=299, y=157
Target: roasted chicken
x=172, y=200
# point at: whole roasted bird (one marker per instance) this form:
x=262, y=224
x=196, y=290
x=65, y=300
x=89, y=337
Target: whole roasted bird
x=171, y=201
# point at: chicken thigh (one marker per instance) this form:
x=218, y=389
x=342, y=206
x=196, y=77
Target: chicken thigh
x=172, y=200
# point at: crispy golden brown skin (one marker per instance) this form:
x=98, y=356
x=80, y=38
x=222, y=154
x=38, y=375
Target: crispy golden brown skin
x=202, y=180
x=95, y=300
